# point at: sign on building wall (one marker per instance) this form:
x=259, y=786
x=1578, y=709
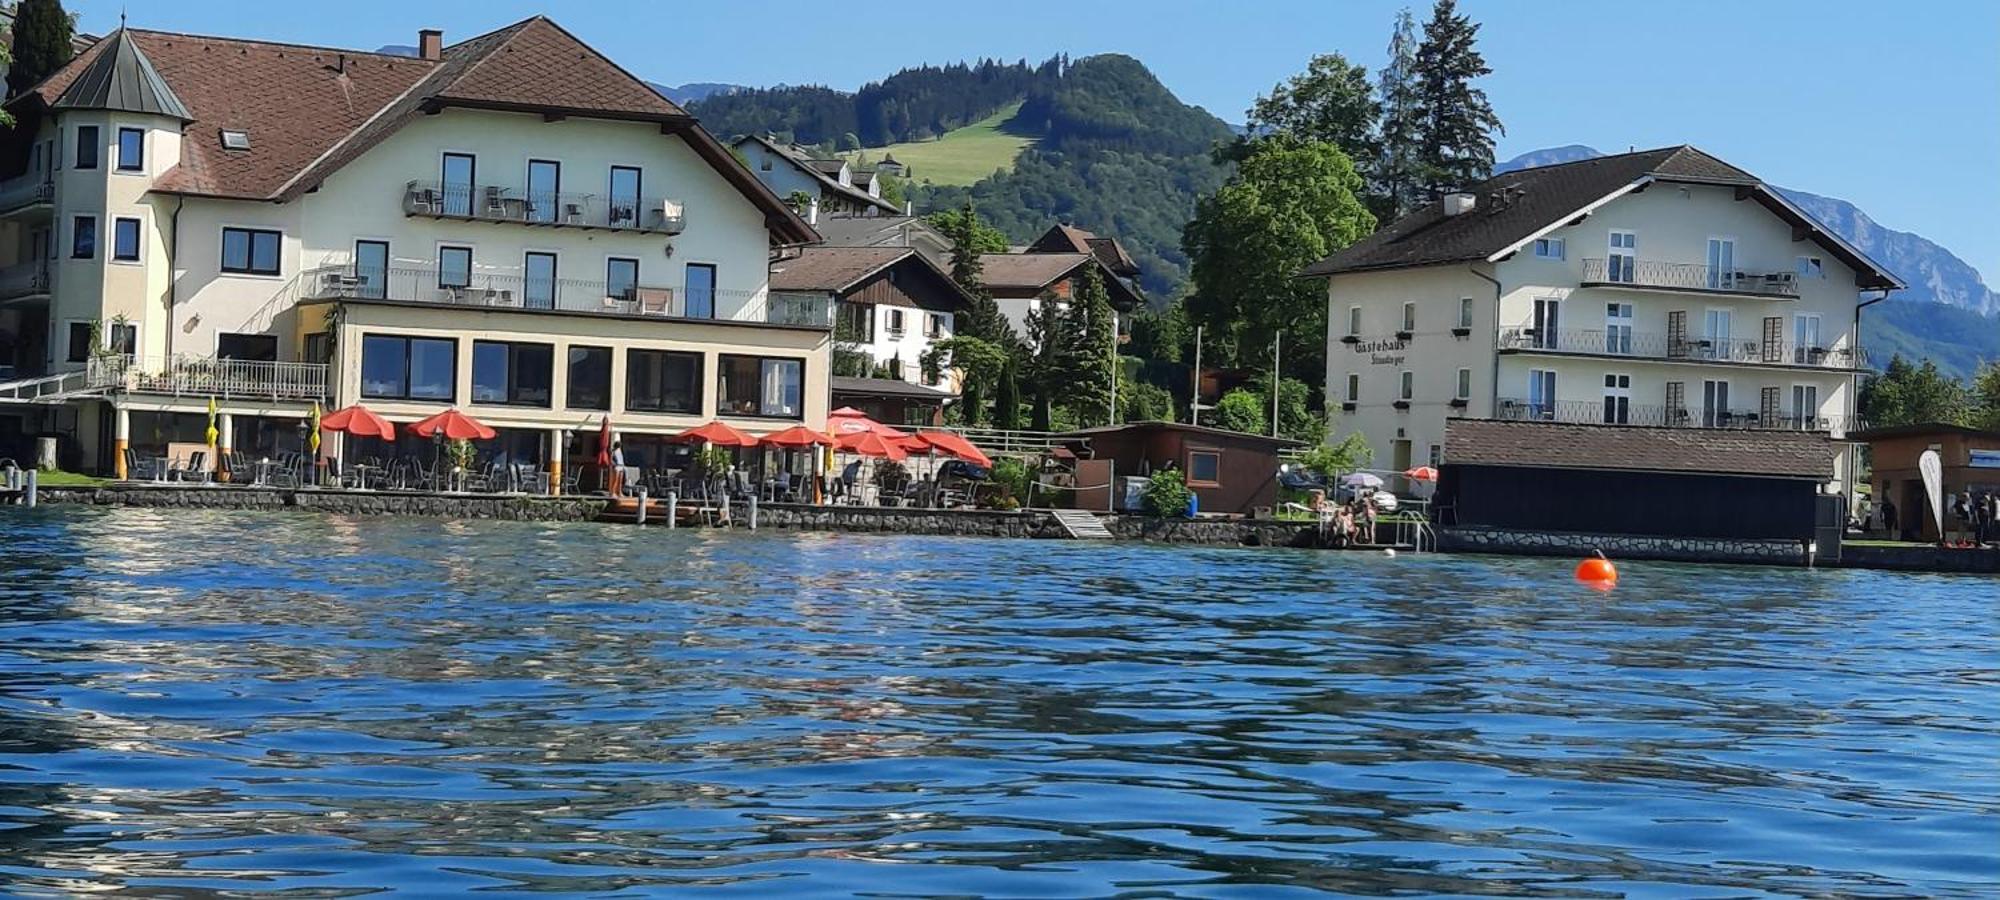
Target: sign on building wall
x=1985, y=459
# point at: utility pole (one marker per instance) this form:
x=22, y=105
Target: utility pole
x=1277, y=341
x=1116, y=363
x=1194, y=402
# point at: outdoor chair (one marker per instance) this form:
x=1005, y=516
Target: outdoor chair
x=195, y=471
x=137, y=468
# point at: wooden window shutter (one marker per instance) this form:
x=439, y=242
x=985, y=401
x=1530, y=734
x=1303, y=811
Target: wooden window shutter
x=1676, y=403
x=1774, y=339
x=1767, y=414
x=1677, y=334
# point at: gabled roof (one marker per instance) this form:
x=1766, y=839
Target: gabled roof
x=1062, y=238
x=1550, y=445
x=872, y=231
x=838, y=270
x=120, y=78
x=1031, y=273
x=809, y=166
x=311, y=110
x=1514, y=207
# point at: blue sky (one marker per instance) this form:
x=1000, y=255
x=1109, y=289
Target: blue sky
x=1895, y=106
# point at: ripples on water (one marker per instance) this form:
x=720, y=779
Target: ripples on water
x=197, y=702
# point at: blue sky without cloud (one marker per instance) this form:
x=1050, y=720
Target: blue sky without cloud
x=1895, y=106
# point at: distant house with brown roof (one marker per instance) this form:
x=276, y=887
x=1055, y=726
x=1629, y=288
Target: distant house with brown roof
x=513, y=224
x=890, y=303
x=1021, y=282
x=832, y=184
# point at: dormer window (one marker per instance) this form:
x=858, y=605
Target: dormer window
x=235, y=140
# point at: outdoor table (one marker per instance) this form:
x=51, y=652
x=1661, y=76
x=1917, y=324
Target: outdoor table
x=361, y=471
x=161, y=465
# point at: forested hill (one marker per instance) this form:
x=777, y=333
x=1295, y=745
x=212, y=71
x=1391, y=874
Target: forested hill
x=912, y=105
x=1113, y=150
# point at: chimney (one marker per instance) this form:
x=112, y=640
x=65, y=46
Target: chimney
x=812, y=211
x=430, y=43
x=1459, y=202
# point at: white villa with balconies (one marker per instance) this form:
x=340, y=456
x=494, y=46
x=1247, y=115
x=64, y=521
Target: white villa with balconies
x=1659, y=288
x=512, y=224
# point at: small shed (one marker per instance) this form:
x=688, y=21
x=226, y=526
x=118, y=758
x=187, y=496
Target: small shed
x=891, y=401
x=1229, y=471
x=1971, y=462
x=1628, y=480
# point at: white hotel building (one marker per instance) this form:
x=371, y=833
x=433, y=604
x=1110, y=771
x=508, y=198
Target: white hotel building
x=513, y=224
x=1658, y=288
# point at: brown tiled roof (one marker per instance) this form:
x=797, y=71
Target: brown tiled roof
x=827, y=181
x=311, y=110
x=1551, y=445
x=1510, y=207
x=1027, y=271
x=1062, y=238
x=833, y=268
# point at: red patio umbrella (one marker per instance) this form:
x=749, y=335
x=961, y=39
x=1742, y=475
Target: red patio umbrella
x=848, y=420
x=456, y=426
x=956, y=445
x=719, y=434
x=796, y=436
x=868, y=443
x=359, y=421
x=1421, y=473
x=604, y=443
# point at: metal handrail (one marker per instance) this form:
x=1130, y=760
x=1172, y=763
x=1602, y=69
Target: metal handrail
x=24, y=279
x=1644, y=345
x=1010, y=441
x=511, y=289
x=1596, y=412
x=26, y=191
x=207, y=376
x=507, y=204
x=1689, y=276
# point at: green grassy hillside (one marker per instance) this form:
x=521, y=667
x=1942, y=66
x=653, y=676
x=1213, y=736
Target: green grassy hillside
x=963, y=155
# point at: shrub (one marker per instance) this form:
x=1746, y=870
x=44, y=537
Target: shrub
x=1010, y=476
x=1166, y=494
x=1240, y=410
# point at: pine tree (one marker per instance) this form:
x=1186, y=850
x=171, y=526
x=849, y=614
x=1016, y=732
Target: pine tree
x=1093, y=355
x=968, y=240
x=1007, y=400
x=1455, y=124
x=43, y=34
x=1395, y=167
x=1047, y=357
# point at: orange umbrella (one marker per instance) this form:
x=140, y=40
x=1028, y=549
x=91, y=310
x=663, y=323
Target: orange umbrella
x=456, y=426
x=795, y=436
x=848, y=420
x=719, y=434
x=604, y=443
x=1421, y=473
x=955, y=445
x=868, y=443
x=359, y=421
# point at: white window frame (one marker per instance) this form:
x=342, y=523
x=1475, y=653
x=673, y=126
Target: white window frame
x=1550, y=248
x=1627, y=250
x=1547, y=322
x=1714, y=259
x=893, y=321
x=1618, y=328
x=1718, y=344
x=1712, y=391
x=1810, y=267
x=1406, y=385
x=1354, y=321
x=1465, y=312
x=1806, y=416
x=1618, y=393
x=1542, y=387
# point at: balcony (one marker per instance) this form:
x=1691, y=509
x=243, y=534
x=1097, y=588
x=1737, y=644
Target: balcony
x=1597, y=412
x=511, y=290
x=1646, y=274
x=492, y=203
x=1642, y=345
x=25, y=281
x=204, y=376
x=26, y=193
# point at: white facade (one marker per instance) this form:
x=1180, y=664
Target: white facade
x=898, y=336
x=1678, y=305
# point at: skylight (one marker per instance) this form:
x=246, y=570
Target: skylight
x=235, y=140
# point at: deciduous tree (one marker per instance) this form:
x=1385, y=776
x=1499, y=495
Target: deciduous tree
x=1331, y=101
x=1913, y=395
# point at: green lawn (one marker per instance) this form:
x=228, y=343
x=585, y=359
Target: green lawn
x=963, y=155
x=69, y=479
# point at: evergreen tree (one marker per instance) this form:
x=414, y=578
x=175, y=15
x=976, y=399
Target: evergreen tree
x=1986, y=397
x=1395, y=172
x=1007, y=400
x=969, y=238
x=1455, y=124
x=1914, y=395
x=1048, y=358
x=42, y=43
x=1093, y=354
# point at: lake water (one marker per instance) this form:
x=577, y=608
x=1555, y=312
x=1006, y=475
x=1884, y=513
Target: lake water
x=194, y=702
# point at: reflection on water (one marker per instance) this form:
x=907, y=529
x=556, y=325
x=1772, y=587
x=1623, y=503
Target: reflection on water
x=196, y=702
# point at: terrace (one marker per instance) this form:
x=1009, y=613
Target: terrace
x=511, y=289
x=494, y=203
x=1610, y=412
x=206, y=376
x=1689, y=348
x=1647, y=274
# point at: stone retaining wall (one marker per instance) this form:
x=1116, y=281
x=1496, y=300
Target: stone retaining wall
x=1569, y=544
x=1920, y=559
x=1223, y=532
x=961, y=522
x=356, y=503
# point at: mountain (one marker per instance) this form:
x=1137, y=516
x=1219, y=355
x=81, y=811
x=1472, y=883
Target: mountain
x=1104, y=145
x=694, y=90
x=1947, y=313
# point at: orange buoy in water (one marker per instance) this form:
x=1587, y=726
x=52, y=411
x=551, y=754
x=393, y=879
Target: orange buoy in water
x=1597, y=571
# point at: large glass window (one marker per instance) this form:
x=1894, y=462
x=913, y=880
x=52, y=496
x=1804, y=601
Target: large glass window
x=624, y=211
x=249, y=251
x=131, y=150
x=700, y=291
x=251, y=347
x=79, y=342
x=621, y=278
x=87, y=146
x=589, y=378
x=540, y=289
x=758, y=386
x=402, y=368
x=454, y=267
x=83, y=238
x=512, y=374
x=662, y=381
x=544, y=190
x=456, y=183
x=125, y=239
x=371, y=269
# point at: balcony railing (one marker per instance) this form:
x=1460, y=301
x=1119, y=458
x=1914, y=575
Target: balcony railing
x=1602, y=412
x=26, y=191
x=26, y=279
x=204, y=376
x=1647, y=273
x=494, y=203
x=509, y=289
x=1643, y=345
